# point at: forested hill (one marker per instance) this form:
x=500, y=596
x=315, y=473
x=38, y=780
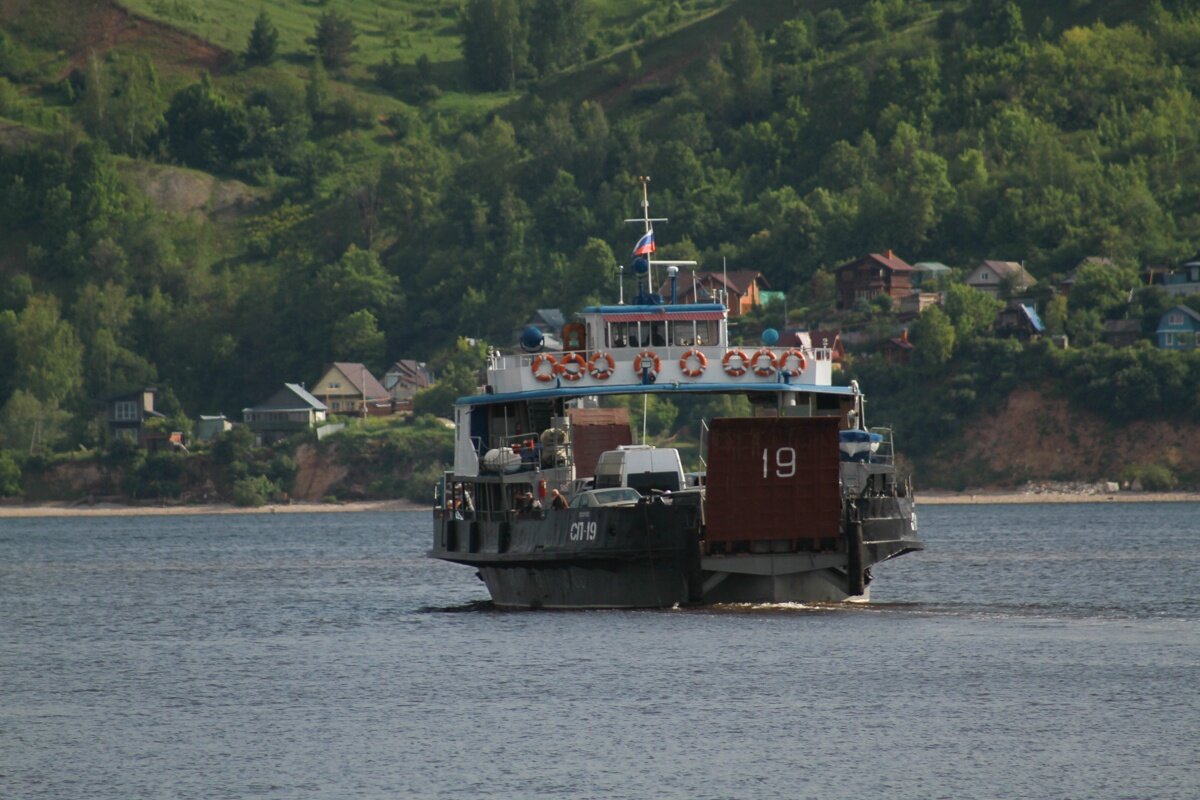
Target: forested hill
x=216, y=197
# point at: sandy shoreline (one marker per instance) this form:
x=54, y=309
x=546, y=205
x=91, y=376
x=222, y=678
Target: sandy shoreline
x=929, y=498
x=943, y=498
x=118, y=510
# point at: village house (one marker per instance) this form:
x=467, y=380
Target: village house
x=870, y=276
x=1121, y=332
x=1068, y=283
x=1180, y=281
x=740, y=290
x=210, y=426
x=898, y=350
x=288, y=411
x=1000, y=278
x=1179, y=329
x=405, y=378
x=928, y=273
x=128, y=413
x=911, y=305
x=1020, y=321
x=350, y=388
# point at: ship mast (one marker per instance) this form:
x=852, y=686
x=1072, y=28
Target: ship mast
x=648, y=226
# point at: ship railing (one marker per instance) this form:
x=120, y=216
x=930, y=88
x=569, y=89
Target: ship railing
x=668, y=352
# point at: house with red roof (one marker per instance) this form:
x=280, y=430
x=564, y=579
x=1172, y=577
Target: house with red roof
x=870, y=276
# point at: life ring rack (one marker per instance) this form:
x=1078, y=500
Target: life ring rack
x=601, y=366
x=639, y=362
x=763, y=370
x=535, y=367
x=685, y=363
x=732, y=370
x=580, y=363
x=801, y=362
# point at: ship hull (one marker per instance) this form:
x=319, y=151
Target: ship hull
x=653, y=555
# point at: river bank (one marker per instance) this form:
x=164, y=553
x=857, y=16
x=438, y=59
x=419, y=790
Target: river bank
x=120, y=510
x=940, y=498
x=930, y=497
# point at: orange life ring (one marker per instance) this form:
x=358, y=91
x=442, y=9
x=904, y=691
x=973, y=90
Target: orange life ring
x=572, y=358
x=536, y=367
x=740, y=369
x=594, y=366
x=767, y=370
x=639, y=361
x=701, y=361
x=801, y=362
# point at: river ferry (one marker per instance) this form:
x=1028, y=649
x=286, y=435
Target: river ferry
x=554, y=505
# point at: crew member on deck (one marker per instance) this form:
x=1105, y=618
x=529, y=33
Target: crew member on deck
x=557, y=500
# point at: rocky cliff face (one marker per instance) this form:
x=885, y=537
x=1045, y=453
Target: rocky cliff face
x=1035, y=437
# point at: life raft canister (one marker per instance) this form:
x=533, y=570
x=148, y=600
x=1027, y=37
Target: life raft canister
x=801, y=363
x=685, y=363
x=763, y=370
x=639, y=362
x=580, y=363
x=735, y=370
x=601, y=366
x=536, y=367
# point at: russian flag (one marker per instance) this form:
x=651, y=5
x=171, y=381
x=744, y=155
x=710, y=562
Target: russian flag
x=644, y=245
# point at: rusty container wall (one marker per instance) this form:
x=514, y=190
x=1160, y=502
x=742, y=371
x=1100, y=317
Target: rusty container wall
x=594, y=430
x=773, y=479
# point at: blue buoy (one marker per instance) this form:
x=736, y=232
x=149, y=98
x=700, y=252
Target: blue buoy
x=770, y=336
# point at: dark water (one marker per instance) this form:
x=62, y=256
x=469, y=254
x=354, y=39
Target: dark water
x=1031, y=652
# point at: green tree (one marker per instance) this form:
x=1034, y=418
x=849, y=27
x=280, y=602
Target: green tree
x=264, y=40
x=122, y=102
x=1102, y=286
x=357, y=338
x=10, y=475
x=494, y=43
x=1055, y=315
x=31, y=424
x=355, y=282
x=204, y=128
x=333, y=40
x=48, y=357
x=560, y=29
x=457, y=369
x=316, y=92
x=971, y=311
x=933, y=338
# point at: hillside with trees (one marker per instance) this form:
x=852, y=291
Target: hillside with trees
x=215, y=198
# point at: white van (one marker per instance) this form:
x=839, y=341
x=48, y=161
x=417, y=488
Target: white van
x=642, y=467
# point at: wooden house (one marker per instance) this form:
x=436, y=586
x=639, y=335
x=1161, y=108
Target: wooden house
x=740, y=290
x=1121, y=332
x=898, y=350
x=870, y=276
